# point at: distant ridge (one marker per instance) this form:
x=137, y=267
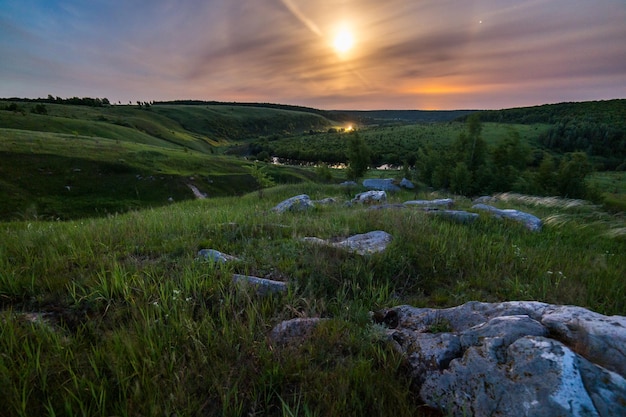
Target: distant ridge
x=359, y=116
x=601, y=111
x=405, y=116
x=290, y=107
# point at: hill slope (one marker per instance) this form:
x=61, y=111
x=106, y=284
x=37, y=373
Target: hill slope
x=177, y=126
x=116, y=316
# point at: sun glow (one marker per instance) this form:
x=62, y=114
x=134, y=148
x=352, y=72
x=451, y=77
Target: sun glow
x=344, y=41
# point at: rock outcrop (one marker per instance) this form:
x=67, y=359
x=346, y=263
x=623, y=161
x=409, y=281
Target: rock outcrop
x=458, y=216
x=326, y=201
x=263, y=286
x=300, y=202
x=293, y=331
x=362, y=244
x=531, y=222
x=407, y=184
x=369, y=197
x=440, y=202
x=215, y=256
x=513, y=358
x=380, y=184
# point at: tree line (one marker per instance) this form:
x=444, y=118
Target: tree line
x=76, y=101
x=470, y=167
x=597, y=128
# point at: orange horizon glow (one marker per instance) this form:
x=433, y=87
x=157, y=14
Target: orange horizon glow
x=354, y=54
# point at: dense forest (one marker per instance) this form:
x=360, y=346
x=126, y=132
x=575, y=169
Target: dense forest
x=597, y=128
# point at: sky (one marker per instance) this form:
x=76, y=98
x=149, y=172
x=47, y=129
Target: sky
x=327, y=54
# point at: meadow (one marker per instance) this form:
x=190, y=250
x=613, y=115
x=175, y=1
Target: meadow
x=117, y=316
x=106, y=309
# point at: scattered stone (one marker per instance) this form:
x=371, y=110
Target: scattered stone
x=531, y=222
x=349, y=184
x=326, y=201
x=387, y=206
x=42, y=319
x=216, y=256
x=514, y=358
x=263, y=286
x=441, y=202
x=380, y=184
x=362, y=244
x=196, y=192
x=369, y=197
x=407, y=184
x=485, y=199
x=300, y=202
x=459, y=216
x=294, y=330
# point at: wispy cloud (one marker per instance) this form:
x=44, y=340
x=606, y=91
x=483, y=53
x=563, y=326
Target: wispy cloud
x=407, y=54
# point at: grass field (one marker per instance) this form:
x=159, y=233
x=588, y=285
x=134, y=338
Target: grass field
x=65, y=176
x=115, y=316
x=110, y=312
x=612, y=186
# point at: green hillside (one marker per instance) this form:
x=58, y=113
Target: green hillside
x=116, y=316
x=65, y=160
x=196, y=127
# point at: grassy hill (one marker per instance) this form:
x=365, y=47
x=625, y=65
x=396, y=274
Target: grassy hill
x=76, y=161
x=115, y=316
x=193, y=126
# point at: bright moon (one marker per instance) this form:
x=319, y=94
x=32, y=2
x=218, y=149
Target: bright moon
x=343, y=41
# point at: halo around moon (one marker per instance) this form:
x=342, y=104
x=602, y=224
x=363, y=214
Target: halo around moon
x=343, y=41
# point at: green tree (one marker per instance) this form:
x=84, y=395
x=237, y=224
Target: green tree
x=545, y=179
x=262, y=178
x=570, y=179
x=509, y=159
x=359, y=157
x=471, y=149
x=40, y=109
x=323, y=172
x=461, y=179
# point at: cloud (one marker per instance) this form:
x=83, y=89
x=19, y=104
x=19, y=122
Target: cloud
x=408, y=54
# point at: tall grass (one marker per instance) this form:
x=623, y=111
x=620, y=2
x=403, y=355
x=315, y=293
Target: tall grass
x=129, y=322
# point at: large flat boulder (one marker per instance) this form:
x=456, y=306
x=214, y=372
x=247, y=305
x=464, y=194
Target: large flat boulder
x=215, y=256
x=531, y=222
x=369, y=197
x=457, y=216
x=262, y=286
x=300, y=202
x=437, y=203
x=380, y=184
x=362, y=244
x=518, y=358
